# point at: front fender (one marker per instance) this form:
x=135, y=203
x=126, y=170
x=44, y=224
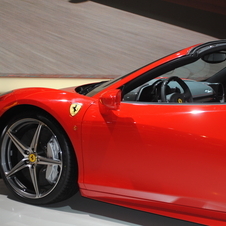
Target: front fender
x=56, y=103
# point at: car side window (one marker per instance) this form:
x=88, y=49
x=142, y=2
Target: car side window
x=200, y=82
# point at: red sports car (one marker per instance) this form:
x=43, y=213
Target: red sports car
x=153, y=140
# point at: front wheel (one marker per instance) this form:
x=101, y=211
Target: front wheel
x=37, y=163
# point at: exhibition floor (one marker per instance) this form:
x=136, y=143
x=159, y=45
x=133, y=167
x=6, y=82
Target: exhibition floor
x=77, y=211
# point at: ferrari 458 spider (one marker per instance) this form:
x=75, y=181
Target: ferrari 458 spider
x=153, y=140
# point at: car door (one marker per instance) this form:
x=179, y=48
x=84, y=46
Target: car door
x=171, y=153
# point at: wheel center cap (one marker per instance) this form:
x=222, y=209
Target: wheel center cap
x=32, y=158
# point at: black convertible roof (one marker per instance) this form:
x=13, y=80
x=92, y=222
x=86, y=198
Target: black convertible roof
x=208, y=47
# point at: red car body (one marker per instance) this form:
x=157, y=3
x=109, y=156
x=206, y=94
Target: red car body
x=167, y=157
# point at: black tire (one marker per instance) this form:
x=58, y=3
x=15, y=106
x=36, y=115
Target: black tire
x=38, y=163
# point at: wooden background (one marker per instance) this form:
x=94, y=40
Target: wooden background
x=86, y=38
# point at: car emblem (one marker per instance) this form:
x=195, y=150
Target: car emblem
x=179, y=100
x=32, y=158
x=75, y=108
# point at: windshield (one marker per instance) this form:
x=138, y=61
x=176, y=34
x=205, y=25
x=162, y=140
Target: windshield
x=210, y=68
x=104, y=85
x=199, y=70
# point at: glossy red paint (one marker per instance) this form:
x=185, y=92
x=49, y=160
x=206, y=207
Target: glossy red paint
x=184, y=150
x=57, y=103
x=164, y=158
x=111, y=99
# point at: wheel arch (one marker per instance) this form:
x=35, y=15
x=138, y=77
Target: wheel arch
x=15, y=110
x=5, y=118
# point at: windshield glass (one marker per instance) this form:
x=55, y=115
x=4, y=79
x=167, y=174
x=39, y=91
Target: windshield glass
x=209, y=68
x=199, y=70
x=104, y=85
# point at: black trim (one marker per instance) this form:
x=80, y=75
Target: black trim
x=208, y=47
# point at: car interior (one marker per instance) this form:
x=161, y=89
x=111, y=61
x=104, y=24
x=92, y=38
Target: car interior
x=202, y=81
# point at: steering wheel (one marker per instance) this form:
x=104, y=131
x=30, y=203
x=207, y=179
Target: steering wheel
x=184, y=97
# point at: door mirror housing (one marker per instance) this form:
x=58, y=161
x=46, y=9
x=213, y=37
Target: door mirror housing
x=111, y=99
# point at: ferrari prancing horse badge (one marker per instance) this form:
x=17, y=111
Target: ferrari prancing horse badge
x=75, y=108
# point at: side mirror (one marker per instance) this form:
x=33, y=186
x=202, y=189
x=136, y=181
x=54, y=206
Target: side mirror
x=111, y=99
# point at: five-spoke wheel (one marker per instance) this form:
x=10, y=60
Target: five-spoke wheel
x=36, y=161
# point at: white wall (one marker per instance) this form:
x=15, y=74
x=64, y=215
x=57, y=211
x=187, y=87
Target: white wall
x=7, y=84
